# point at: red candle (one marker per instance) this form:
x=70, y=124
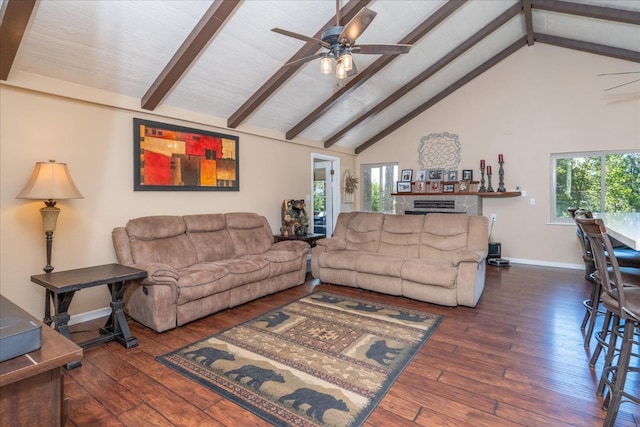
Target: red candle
x=481, y=164
x=500, y=158
x=488, y=170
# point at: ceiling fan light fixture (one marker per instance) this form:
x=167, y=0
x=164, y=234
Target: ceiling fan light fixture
x=347, y=61
x=325, y=65
x=341, y=72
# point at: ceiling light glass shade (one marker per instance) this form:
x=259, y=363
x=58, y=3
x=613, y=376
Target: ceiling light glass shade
x=325, y=65
x=341, y=73
x=50, y=181
x=347, y=61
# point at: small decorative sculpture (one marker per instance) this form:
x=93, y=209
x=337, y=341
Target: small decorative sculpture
x=501, y=188
x=294, y=218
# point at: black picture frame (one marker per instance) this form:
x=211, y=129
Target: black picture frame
x=406, y=175
x=467, y=174
x=169, y=157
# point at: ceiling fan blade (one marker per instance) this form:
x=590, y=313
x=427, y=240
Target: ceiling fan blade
x=300, y=37
x=356, y=26
x=303, y=60
x=623, y=84
x=381, y=49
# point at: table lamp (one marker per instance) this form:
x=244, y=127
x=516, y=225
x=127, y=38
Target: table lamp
x=50, y=181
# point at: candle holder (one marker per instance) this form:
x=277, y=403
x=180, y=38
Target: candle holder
x=489, y=187
x=482, y=188
x=501, y=188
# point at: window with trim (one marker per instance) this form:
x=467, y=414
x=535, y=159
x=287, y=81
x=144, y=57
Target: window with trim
x=378, y=182
x=597, y=181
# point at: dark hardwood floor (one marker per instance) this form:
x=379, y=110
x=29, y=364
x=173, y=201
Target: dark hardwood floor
x=517, y=359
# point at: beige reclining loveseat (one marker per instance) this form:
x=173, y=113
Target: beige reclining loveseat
x=437, y=258
x=200, y=264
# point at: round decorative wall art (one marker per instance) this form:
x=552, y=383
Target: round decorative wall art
x=439, y=150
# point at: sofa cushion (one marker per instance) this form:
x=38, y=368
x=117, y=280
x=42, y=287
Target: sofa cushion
x=280, y=262
x=250, y=233
x=401, y=235
x=363, y=231
x=429, y=272
x=245, y=270
x=205, y=229
x=343, y=260
x=160, y=239
x=443, y=233
x=384, y=265
x=202, y=280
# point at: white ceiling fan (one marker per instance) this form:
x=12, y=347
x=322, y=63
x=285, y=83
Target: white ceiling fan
x=340, y=42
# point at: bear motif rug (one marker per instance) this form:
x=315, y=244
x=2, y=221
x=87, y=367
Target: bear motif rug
x=321, y=360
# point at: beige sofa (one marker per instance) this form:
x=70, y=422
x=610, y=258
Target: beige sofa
x=437, y=258
x=200, y=264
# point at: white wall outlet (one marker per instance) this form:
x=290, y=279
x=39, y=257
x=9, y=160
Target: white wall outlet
x=532, y=201
x=523, y=193
x=493, y=217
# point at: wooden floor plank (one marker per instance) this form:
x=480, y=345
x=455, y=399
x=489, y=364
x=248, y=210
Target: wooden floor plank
x=516, y=359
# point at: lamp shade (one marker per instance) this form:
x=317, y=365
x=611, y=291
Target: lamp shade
x=50, y=181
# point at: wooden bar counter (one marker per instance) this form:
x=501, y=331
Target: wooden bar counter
x=32, y=386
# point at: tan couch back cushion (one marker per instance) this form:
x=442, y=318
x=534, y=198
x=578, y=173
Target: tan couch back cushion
x=160, y=239
x=401, y=235
x=362, y=233
x=249, y=232
x=210, y=237
x=443, y=233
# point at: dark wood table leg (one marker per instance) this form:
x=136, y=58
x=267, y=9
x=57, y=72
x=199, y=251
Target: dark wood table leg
x=61, y=318
x=48, y=298
x=117, y=324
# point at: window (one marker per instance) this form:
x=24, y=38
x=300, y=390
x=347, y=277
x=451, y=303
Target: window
x=600, y=182
x=378, y=183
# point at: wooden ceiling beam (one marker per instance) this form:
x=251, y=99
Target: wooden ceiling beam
x=446, y=92
x=204, y=31
x=597, y=12
x=528, y=20
x=413, y=37
x=505, y=17
x=598, y=49
x=284, y=73
x=14, y=16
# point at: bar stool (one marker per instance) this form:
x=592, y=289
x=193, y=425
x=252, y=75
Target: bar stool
x=628, y=260
x=622, y=302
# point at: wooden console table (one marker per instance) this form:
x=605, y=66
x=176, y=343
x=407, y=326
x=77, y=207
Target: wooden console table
x=61, y=287
x=32, y=386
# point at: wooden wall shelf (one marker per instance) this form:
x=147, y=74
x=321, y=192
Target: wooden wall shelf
x=464, y=193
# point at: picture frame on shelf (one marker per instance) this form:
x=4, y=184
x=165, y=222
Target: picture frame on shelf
x=434, y=187
x=436, y=174
x=467, y=174
x=448, y=188
x=421, y=187
x=464, y=185
x=406, y=175
x=404, y=187
x=452, y=175
x=421, y=175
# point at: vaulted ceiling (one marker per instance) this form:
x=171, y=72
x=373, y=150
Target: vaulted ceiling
x=221, y=58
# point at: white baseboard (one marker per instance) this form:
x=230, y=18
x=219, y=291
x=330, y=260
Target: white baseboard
x=90, y=315
x=103, y=312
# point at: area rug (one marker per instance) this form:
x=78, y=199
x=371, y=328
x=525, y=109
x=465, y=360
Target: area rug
x=322, y=360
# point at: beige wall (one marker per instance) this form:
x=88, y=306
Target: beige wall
x=540, y=100
x=95, y=140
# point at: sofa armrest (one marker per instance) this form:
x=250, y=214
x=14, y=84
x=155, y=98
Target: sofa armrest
x=298, y=246
x=465, y=255
x=159, y=273
x=332, y=243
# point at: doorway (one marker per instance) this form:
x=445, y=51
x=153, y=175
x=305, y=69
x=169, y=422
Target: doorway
x=325, y=190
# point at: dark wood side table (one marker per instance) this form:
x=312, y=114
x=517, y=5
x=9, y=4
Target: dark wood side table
x=32, y=386
x=310, y=238
x=62, y=285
